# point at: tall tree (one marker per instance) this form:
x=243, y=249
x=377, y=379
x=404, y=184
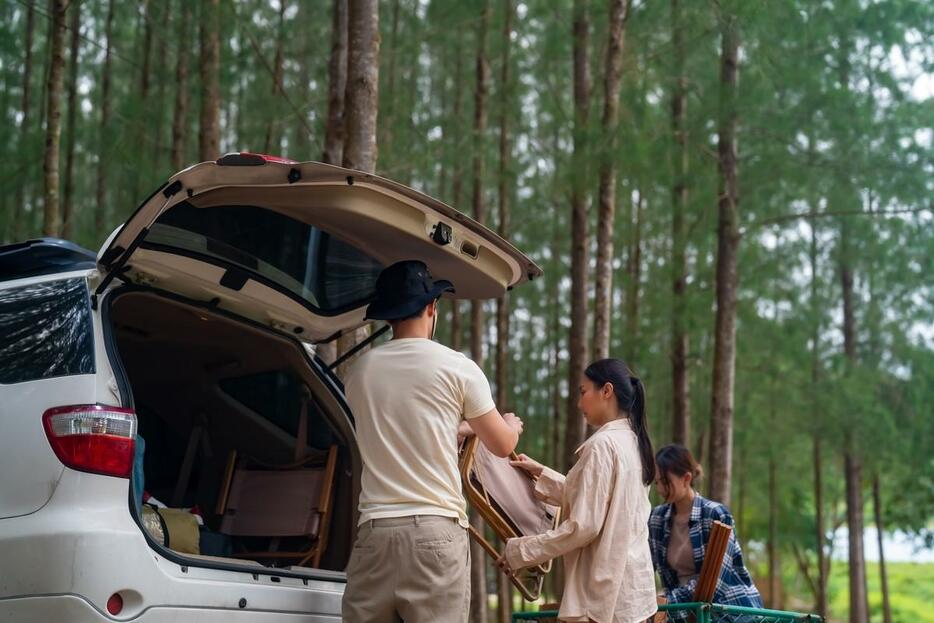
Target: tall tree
x=361, y=101
x=457, y=173
x=681, y=405
x=209, y=133
x=180, y=118
x=880, y=532
x=70, y=128
x=478, y=559
x=334, y=122
x=273, y=139
x=728, y=237
x=606, y=211
x=577, y=338
x=337, y=85
x=19, y=205
x=51, y=222
x=103, y=148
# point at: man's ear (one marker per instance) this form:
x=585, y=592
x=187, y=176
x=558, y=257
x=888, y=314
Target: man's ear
x=432, y=308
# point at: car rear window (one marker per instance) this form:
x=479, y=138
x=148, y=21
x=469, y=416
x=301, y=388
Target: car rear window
x=328, y=274
x=277, y=396
x=45, y=331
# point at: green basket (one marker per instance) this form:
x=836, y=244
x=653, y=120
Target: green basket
x=701, y=613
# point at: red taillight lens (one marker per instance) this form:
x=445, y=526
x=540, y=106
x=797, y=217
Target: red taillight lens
x=115, y=604
x=93, y=438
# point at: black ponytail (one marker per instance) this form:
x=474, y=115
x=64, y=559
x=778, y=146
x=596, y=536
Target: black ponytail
x=630, y=395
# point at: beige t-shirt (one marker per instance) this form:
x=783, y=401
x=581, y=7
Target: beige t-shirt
x=680, y=550
x=408, y=397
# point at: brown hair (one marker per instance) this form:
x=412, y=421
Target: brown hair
x=676, y=460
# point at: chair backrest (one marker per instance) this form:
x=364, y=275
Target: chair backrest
x=512, y=493
x=717, y=543
x=278, y=502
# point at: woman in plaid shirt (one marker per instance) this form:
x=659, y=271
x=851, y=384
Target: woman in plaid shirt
x=678, y=533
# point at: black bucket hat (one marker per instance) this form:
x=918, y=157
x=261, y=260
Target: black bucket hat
x=404, y=289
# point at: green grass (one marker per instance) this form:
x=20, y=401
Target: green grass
x=911, y=592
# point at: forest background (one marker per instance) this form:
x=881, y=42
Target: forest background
x=733, y=196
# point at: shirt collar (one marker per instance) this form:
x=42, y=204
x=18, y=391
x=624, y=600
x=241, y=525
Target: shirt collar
x=617, y=424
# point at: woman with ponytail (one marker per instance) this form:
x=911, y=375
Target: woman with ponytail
x=608, y=574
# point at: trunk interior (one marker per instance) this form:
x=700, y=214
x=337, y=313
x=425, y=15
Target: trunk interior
x=216, y=399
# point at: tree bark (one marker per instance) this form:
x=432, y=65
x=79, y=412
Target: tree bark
x=180, y=118
x=775, y=600
x=883, y=576
x=817, y=460
x=337, y=85
x=103, y=150
x=51, y=225
x=19, y=205
x=577, y=338
x=273, y=142
x=502, y=304
x=724, y=366
x=606, y=211
x=209, y=135
x=478, y=558
x=681, y=412
x=334, y=124
x=859, y=608
x=457, y=177
x=69, y=182
x=634, y=272
x=361, y=101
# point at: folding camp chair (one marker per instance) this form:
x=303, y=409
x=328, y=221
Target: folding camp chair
x=278, y=502
x=505, y=498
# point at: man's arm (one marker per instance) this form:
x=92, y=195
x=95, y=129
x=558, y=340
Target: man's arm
x=499, y=433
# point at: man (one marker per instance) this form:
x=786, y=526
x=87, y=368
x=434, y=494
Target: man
x=411, y=559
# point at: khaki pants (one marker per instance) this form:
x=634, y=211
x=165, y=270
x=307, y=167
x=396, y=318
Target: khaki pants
x=414, y=569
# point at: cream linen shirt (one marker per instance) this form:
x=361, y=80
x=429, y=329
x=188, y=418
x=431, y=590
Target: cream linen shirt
x=604, y=537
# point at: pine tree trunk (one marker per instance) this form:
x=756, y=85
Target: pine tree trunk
x=478, y=606
x=457, y=181
x=103, y=151
x=19, y=204
x=724, y=366
x=337, y=85
x=883, y=576
x=334, y=124
x=389, y=99
x=502, y=305
x=634, y=272
x=606, y=211
x=69, y=183
x=817, y=460
x=774, y=567
x=209, y=134
x=273, y=143
x=681, y=424
x=51, y=225
x=361, y=101
x=577, y=338
x=180, y=118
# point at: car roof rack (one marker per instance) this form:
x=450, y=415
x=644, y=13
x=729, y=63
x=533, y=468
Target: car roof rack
x=43, y=256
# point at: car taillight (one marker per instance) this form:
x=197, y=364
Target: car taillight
x=250, y=159
x=93, y=438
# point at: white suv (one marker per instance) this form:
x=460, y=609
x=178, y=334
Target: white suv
x=194, y=330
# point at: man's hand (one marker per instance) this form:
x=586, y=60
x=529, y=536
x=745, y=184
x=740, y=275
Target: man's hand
x=514, y=422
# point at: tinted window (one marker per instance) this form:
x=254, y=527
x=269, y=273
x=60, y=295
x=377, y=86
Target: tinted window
x=45, y=331
x=277, y=396
x=329, y=274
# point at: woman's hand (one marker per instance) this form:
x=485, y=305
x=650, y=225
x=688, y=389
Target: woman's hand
x=533, y=467
x=504, y=566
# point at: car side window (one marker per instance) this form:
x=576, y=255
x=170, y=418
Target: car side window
x=45, y=331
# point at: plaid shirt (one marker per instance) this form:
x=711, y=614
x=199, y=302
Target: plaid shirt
x=735, y=586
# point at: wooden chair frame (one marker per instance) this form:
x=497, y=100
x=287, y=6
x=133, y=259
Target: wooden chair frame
x=325, y=504
x=534, y=576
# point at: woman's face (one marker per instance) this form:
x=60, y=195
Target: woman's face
x=594, y=401
x=672, y=488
